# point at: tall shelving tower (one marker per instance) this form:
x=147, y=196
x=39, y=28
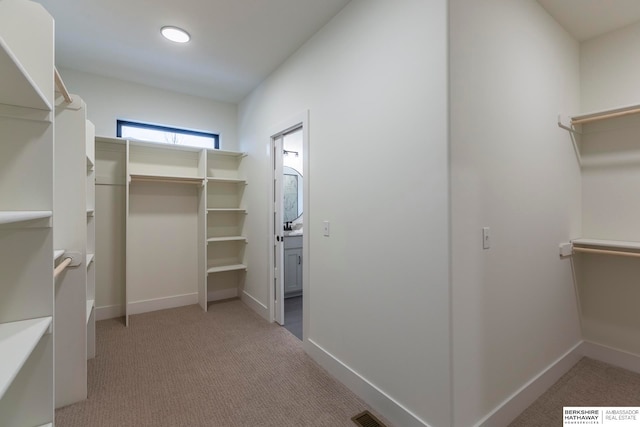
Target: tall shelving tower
x=26, y=210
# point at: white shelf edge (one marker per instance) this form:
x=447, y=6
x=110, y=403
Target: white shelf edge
x=8, y=217
x=227, y=180
x=620, y=244
x=46, y=425
x=89, y=259
x=17, y=342
x=227, y=239
x=226, y=210
x=226, y=152
x=222, y=268
x=57, y=253
x=90, y=304
x=161, y=145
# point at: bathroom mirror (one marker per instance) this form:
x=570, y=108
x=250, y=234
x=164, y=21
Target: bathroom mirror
x=292, y=194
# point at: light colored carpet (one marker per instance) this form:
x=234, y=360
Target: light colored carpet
x=227, y=367
x=588, y=383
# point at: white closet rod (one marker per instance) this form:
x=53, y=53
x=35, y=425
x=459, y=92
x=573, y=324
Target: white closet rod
x=607, y=252
x=60, y=268
x=61, y=87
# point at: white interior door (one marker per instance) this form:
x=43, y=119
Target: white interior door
x=278, y=238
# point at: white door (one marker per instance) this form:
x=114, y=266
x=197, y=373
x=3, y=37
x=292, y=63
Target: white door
x=278, y=238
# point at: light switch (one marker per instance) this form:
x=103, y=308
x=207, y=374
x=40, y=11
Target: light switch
x=486, y=238
x=325, y=228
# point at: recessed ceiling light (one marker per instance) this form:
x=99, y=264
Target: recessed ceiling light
x=175, y=34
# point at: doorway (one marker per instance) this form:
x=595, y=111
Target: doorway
x=289, y=149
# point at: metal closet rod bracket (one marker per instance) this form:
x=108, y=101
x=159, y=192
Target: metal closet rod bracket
x=566, y=119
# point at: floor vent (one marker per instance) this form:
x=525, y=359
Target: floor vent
x=366, y=419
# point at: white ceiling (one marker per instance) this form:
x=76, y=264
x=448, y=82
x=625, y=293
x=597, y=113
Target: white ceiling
x=585, y=19
x=235, y=43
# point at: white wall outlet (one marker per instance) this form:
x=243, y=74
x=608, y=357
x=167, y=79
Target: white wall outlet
x=325, y=228
x=566, y=249
x=486, y=238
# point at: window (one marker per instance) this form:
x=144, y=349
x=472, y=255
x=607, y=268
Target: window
x=166, y=134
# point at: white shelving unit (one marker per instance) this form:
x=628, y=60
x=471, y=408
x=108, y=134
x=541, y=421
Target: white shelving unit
x=224, y=227
x=72, y=224
x=90, y=155
x=26, y=212
x=605, y=143
x=185, y=197
x=605, y=261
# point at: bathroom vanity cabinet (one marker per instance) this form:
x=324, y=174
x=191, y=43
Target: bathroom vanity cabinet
x=292, y=266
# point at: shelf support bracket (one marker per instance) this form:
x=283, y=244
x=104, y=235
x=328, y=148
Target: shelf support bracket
x=569, y=128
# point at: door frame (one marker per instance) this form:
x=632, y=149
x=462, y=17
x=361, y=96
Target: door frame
x=298, y=120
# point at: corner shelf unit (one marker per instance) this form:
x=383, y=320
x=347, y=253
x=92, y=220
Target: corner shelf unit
x=156, y=174
x=26, y=215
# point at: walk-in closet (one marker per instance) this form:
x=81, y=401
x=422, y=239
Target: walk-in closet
x=422, y=211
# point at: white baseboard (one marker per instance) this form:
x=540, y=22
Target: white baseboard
x=372, y=395
x=222, y=294
x=255, y=305
x=109, y=312
x=513, y=406
x=146, y=306
x=610, y=355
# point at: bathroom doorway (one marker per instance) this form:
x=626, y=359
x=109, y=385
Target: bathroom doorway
x=290, y=167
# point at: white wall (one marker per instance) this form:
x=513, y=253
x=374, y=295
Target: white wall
x=375, y=83
x=609, y=67
x=109, y=99
x=513, y=69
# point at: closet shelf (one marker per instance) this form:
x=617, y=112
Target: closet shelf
x=227, y=239
x=226, y=180
x=167, y=178
x=90, y=304
x=226, y=153
x=17, y=342
x=227, y=210
x=89, y=259
x=606, y=114
x=16, y=86
x=222, y=268
x=8, y=217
